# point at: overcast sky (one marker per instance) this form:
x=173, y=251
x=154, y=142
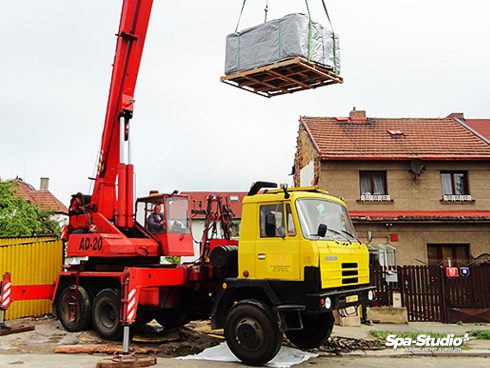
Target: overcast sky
x=400, y=58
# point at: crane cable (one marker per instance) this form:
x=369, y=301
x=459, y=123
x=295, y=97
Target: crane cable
x=334, y=41
x=266, y=10
x=328, y=16
x=240, y=16
x=310, y=30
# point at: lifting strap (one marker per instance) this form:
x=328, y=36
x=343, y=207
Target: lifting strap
x=240, y=16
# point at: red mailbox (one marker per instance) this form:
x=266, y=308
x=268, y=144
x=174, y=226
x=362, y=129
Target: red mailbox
x=452, y=272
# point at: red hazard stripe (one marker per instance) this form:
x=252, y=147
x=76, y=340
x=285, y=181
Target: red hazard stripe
x=131, y=309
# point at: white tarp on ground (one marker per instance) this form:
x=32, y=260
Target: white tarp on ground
x=286, y=357
x=282, y=39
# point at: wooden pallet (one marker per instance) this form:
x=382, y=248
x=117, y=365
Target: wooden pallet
x=288, y=76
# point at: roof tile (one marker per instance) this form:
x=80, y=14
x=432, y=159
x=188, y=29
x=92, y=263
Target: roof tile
x=429, y=139
x=44, y=199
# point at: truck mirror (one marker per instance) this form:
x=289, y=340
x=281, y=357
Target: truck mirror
x=322, y=230
x=270, y=224
x=369, y=236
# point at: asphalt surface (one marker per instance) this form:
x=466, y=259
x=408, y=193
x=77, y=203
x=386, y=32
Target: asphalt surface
x=89, y=361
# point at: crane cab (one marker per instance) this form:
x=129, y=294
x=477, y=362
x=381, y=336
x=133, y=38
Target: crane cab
x=167, y=218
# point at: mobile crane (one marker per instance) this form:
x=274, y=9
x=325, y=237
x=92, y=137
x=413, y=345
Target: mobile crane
x=297, y=259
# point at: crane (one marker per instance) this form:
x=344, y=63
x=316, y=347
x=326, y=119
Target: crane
x=268, y=283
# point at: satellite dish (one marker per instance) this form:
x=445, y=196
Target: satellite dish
x=417, y=166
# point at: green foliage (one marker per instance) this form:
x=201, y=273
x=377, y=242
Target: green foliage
x=382, y=334
x=20, y=218
x=173, y=259
x=480, y=334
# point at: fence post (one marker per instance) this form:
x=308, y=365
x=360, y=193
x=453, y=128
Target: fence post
x=443, y=304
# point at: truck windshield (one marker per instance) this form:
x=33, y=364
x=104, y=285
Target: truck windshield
x=313, y=212
x=178, y=216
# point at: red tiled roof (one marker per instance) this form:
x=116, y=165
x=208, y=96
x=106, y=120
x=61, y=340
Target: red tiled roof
x=199, y=201
x=413, y=216
x=427, y=139
x=482, y=126
x=44, y=199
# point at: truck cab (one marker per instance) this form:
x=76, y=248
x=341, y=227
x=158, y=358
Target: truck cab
x=309, y=230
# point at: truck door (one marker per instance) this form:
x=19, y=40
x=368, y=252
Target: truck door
x=277, y=248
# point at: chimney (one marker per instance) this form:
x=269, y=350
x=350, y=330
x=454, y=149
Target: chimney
x=44, y=184
x=357, y=115
x=454, y=115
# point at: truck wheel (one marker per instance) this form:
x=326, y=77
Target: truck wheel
x=252, y=333
x=171, y=318
x=105, y=314
x=73, y=309
x=316, y=330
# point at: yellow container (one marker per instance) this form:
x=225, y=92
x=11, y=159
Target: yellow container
x=31, y=261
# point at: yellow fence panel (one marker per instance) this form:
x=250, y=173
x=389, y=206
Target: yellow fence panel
x=31, y=261
x=11, y=241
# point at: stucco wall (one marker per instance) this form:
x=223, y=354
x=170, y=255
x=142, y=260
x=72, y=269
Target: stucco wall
x=341, y=179
x=413, y=238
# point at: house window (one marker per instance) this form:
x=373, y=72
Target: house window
x=373, y=186
x=454, y=183
x=457, y=254
x=455, y=186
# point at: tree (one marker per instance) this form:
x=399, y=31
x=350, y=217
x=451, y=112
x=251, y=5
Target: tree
x=20, y=218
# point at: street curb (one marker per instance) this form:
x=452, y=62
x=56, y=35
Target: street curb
x=408, y=354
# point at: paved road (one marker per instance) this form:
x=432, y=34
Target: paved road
x=89, y=361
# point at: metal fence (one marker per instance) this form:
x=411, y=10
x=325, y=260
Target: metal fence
x=429, y=295
x=31, y=261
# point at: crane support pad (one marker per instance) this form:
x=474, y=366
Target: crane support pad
x=8, y=330
x=288, y=76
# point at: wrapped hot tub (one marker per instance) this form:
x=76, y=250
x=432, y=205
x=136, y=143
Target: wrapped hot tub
x=279, y=40
x=282, y=56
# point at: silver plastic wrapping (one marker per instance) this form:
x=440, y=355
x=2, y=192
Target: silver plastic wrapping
x=279, y=40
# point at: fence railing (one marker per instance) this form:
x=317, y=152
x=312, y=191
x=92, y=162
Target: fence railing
x=429, y=295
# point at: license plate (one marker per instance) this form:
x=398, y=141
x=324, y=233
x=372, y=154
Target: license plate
x=351, y=298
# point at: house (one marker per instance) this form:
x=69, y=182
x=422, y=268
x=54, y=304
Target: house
x=198, y=203
x=420, y=185
x=42, y=198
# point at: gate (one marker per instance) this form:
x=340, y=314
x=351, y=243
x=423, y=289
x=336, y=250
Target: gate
x=429, y=295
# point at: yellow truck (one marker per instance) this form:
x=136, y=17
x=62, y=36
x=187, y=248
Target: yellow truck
x=298, y=260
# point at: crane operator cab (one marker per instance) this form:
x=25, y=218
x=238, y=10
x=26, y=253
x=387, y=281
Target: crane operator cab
x=167, y=218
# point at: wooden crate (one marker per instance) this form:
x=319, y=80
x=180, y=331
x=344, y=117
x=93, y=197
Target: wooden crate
x=285, y=77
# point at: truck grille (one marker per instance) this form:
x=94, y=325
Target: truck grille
x=349, y=270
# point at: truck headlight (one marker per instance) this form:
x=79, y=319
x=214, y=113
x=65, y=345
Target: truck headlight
x=328, y=303
x=370, y=295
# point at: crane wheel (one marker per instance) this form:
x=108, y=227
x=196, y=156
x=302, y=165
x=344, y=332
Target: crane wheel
x=73, y=308
x=105, y=314
x=316, y=330
x=252, y=333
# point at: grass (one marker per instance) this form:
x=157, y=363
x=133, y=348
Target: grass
x=479, y=334
x=382, y=334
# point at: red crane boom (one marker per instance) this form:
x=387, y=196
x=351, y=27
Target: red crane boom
x=129, y=49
